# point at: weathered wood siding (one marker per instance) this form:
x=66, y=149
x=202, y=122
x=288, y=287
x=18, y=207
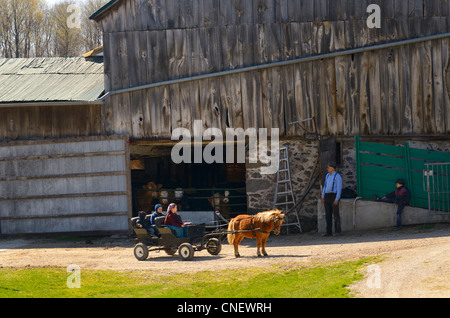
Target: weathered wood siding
x=65, y=185
x=27, y=122
x=394, y=91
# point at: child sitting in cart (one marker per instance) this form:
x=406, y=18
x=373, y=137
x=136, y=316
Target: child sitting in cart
x=173, y=221
x=145, y=222
x=156, y=214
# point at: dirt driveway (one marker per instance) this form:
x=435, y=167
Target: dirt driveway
x=416, y=259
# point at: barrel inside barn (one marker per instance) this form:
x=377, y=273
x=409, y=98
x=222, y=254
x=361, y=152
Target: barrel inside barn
x=193, y=186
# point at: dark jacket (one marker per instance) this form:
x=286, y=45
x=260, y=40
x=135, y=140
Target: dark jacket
x=401, y=195
x=154, y=216
x=143, y=220
x=173, y=219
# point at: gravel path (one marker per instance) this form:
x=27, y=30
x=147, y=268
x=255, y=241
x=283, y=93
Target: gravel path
x=416, y=260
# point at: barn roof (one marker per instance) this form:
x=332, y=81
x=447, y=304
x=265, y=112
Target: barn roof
x=97, y=15
x=50, y=79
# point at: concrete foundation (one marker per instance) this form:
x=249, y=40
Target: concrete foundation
x=359, y=214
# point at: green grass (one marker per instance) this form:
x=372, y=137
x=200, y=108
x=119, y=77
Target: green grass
x=283, y=281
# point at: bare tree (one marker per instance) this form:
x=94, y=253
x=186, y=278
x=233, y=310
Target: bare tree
x=42, y=32
x=92, y=32
x=68, y=38
x=5, y=29
x=17, y=20
x=33, y=28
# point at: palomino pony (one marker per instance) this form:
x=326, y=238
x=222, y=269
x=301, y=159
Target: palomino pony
x=256, y=226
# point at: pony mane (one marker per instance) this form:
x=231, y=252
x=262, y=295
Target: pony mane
x=267, y=216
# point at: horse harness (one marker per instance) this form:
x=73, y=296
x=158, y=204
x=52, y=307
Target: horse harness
x=253, y=229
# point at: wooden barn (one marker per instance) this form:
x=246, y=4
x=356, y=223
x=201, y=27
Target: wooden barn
x=378, y=72
x=59, y=172
x=266, y=64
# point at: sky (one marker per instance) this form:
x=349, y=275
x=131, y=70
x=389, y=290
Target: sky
x=52, y=2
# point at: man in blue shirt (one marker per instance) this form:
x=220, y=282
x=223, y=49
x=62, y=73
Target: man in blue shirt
x=331, y=194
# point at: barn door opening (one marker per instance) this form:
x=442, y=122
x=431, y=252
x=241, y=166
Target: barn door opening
x=195, y=187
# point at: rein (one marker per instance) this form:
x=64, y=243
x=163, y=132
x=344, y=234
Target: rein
x=275, y=221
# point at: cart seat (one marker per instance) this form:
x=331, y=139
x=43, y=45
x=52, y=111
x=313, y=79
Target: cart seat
x=159, y=222
x=134, y=222
x=163, y=230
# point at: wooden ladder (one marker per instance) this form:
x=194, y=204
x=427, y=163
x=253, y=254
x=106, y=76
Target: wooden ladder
x=284, y=194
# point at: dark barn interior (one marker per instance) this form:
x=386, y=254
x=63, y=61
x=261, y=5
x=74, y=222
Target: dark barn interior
x=193, y=186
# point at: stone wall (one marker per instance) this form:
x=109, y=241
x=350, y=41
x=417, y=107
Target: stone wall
x=261, y=188
x=347, y=168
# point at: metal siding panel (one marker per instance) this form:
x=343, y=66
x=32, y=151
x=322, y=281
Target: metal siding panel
x=19, y=189
x=382, y=160
x=430, y=155
x=55, y=148
x=380, y=148
x=72, y=225
x=64, y=207
x=70, y=185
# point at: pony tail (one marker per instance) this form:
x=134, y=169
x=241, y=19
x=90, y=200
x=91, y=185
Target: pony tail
x=230, y=237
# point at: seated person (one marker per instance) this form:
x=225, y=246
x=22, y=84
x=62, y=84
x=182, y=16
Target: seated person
x=401, y=196
x=157, y=213
x=174, y=222
x=144, y=222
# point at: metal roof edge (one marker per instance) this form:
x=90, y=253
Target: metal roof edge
x=51, y=103
x=97, y=14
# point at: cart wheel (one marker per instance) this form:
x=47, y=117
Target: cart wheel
x=186, y=251
x=170, y=250
x=141, y=251
x=213, y=246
